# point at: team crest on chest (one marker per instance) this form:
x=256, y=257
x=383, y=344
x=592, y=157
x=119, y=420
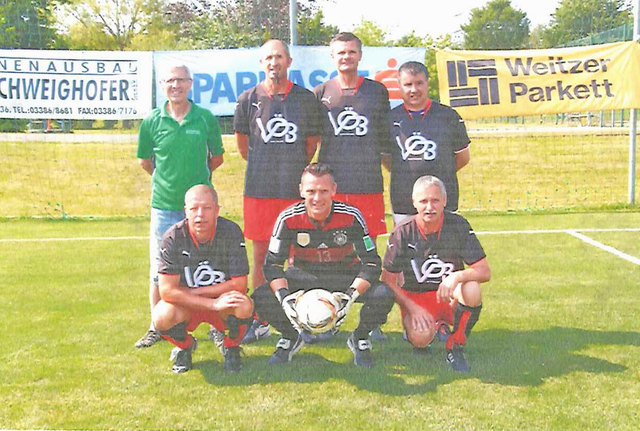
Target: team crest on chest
x=340, y=238
x=303, y=239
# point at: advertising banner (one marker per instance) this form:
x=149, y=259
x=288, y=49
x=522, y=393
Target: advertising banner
x=75, y=84
x=220, y=76
x=529, y=82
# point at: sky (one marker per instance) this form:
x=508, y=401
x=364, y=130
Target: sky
x=426, y=17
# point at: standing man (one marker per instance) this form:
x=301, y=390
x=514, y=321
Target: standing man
x=277, y=126
x=443, y=264
x=357, y=132
x=203, y=278
x=427, y=139
x=328, y=246
x=179, y=145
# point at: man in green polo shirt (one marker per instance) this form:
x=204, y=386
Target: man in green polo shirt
x=179, y=145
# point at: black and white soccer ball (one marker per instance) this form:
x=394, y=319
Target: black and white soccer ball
x=317, y=310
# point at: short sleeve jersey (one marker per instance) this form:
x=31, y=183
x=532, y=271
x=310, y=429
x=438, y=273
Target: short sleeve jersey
x=277, y=128
x=341, y=244
x=356, y=132
x=425, y=262
x=200, y=265
x=424, y=143
x=180, y=152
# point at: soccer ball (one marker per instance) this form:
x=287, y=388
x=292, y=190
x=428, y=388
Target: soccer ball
x=317, y=310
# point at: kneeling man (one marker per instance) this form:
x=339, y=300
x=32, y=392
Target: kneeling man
x=431, y=251
x=203, y=278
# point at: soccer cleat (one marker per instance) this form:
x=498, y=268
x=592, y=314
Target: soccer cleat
x=457, y=360
x=442, y=332
x=310, y=338
x=148, y=339
x=217, y=337
x=285, y=349
x=376, y=334
x=182, y=358
x=255, y=332
x=361, y=350
x=232, y=362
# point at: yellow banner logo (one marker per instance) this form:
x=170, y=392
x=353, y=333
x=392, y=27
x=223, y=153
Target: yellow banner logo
x=529, y=82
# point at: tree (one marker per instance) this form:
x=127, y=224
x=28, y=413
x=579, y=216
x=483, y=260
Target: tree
x=370, y=34
x=496, y=26
x=28, y=24
x=575, y=19
x=118, y=25
x=312, y=31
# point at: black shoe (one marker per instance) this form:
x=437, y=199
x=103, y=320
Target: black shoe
x=457, y=360
x=443, y=332
x=285, y=349
x=182, y=358
x=310, y=338
x=148, y=339
x=217, y=337
x=376, y=334
x=361, y=350
x=255, y=332
x=232, y=362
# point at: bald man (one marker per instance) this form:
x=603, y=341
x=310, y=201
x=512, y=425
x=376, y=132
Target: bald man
x=277, y=127
x=203, y=278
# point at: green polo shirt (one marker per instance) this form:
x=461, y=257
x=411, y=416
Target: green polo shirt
x=180, y=152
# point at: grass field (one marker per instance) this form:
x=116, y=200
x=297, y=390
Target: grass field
x=557, y=346
x=49, y=177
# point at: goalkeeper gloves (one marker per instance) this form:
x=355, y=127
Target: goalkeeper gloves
x=345, y=300
x=288, y=302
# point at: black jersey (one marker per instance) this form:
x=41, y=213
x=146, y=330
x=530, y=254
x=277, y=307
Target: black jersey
x=426, y=262
x=355, y=133
x=424, y=143
x=342, y=244
x=277, y=128
x=204, y=264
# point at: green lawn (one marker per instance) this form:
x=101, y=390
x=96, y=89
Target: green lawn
x=506, y=173
x=557, y=346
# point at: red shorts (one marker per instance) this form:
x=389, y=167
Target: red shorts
x=372, y=208
x=427, y=300
x=196, y=317
x=260, y=215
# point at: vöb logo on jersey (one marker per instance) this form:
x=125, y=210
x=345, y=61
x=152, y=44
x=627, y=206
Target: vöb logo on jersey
x=278, y=130
x=349, y=122
x=203, y=275
x=433, y=270
x=417, y=147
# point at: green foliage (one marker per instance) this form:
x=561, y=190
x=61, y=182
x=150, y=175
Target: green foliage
x=312, y=30
x=371, y=34
x=575, y=19
x=28, y=24
x=496, y=26
x=118, y=25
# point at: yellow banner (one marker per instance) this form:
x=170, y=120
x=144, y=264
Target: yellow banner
x=529, y=82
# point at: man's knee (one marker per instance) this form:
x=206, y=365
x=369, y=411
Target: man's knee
x=418, y=338
x=469, y=294
x=165, y=315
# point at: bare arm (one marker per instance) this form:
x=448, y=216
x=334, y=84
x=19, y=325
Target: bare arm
x=215, y=162
x=419, y=318
x=462, y=158
x=147, y=165
x=243, y=144
x=173, y=293
x=479, y=271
